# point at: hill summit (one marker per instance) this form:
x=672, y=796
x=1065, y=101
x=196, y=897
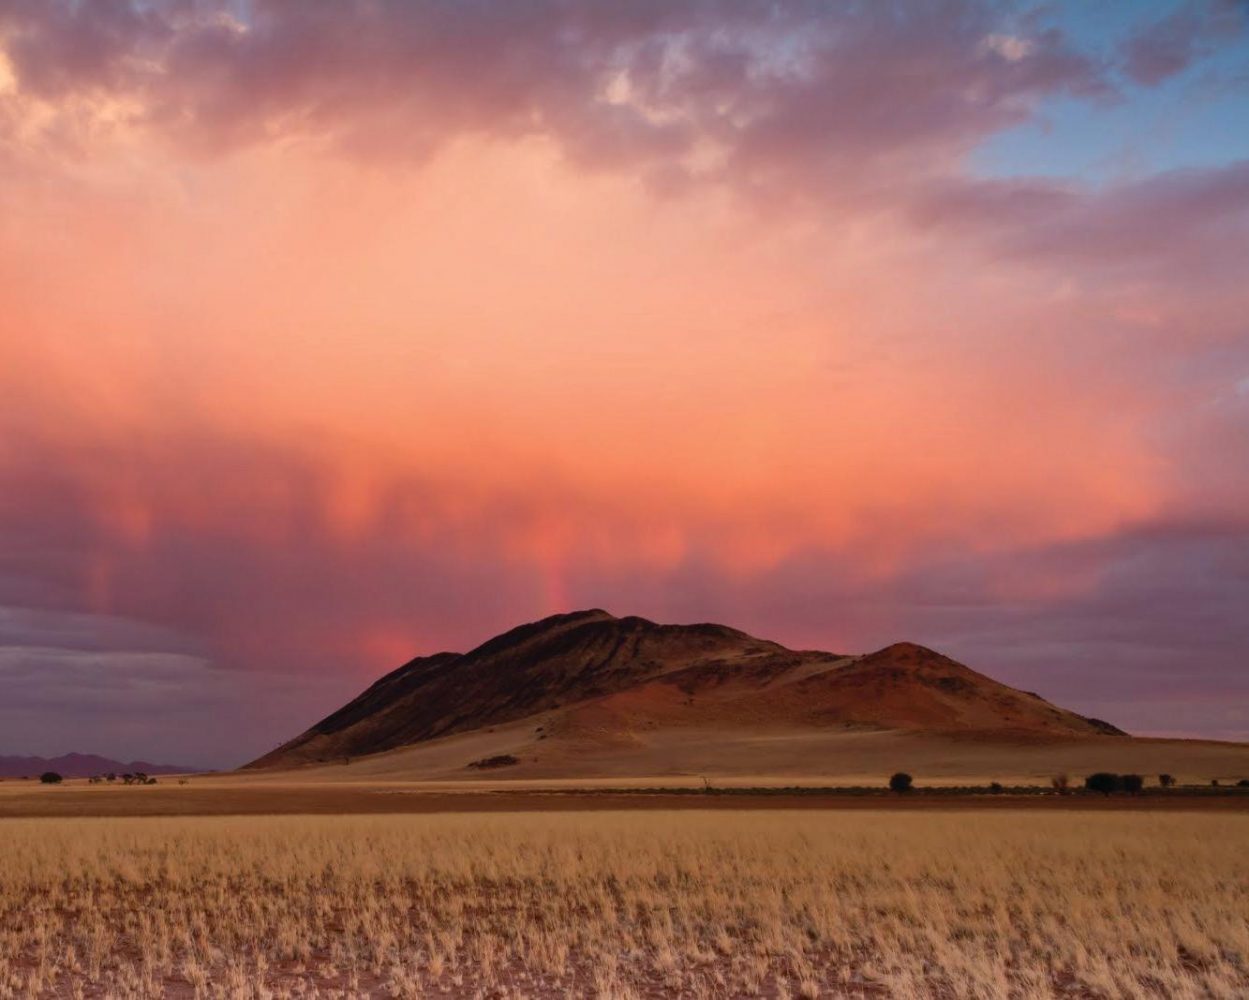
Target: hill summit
x=590, y=677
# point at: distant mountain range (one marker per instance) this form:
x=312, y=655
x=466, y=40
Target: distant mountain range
x=83, y=765
x=574, y=686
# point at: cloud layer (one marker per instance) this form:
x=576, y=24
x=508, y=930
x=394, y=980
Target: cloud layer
x=335, y=333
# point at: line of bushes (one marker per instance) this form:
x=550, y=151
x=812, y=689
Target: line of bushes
x=880, y=790
x=138, y=778
x=1107, y=782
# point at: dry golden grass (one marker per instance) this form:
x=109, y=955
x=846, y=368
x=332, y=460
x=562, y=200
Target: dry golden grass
x=628, y=904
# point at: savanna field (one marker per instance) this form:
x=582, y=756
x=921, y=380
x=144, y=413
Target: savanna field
x=632, y=904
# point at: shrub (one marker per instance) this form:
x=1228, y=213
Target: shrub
x=50, y=778
x=1104, y=782
x=499, y=760
x=1061, y=783
x=1243, y=783
x=995, y=786
x=1132, y=783
x=900, y=782
x=1166, y=780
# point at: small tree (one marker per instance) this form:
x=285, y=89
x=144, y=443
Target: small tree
x=1061, y=783
x=995, y=786
x=1104, y=782
x=900, y=782
x=1132, y=783
x=50, y=778
x=1166, y=780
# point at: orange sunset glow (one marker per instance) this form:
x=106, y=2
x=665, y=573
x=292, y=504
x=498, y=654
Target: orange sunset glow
x=323, y=348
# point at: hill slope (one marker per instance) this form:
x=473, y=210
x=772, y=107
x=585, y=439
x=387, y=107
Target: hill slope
x=589, y=679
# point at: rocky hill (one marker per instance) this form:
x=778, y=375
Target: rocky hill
x=591, y=675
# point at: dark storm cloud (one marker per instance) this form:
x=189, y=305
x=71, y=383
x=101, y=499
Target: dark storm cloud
x=1191, y=221
x=1173, y=43
x=774, y=88
x=136, y=701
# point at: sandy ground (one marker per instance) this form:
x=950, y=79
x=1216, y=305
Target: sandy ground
x=224, y=796
x=434, y=777
x=755, y=757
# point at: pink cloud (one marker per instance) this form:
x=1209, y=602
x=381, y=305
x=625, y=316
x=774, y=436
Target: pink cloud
x=334, y=331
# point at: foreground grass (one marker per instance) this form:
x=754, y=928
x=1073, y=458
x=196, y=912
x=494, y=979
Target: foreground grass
x=628, y=904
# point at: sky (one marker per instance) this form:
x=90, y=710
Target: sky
x=335, y=333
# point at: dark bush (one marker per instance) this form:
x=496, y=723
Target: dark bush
x=50, y=778
x=500, y=760
x=1104, y=782
x=900, y=782
x=1243, y=783
x=1132, y=783
x=995, y=786
x=1166, y=780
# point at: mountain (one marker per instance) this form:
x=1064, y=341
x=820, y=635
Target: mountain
x=83, y=765
x=588, y=680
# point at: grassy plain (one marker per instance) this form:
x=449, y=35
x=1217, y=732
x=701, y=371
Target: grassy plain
x=621, y=904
